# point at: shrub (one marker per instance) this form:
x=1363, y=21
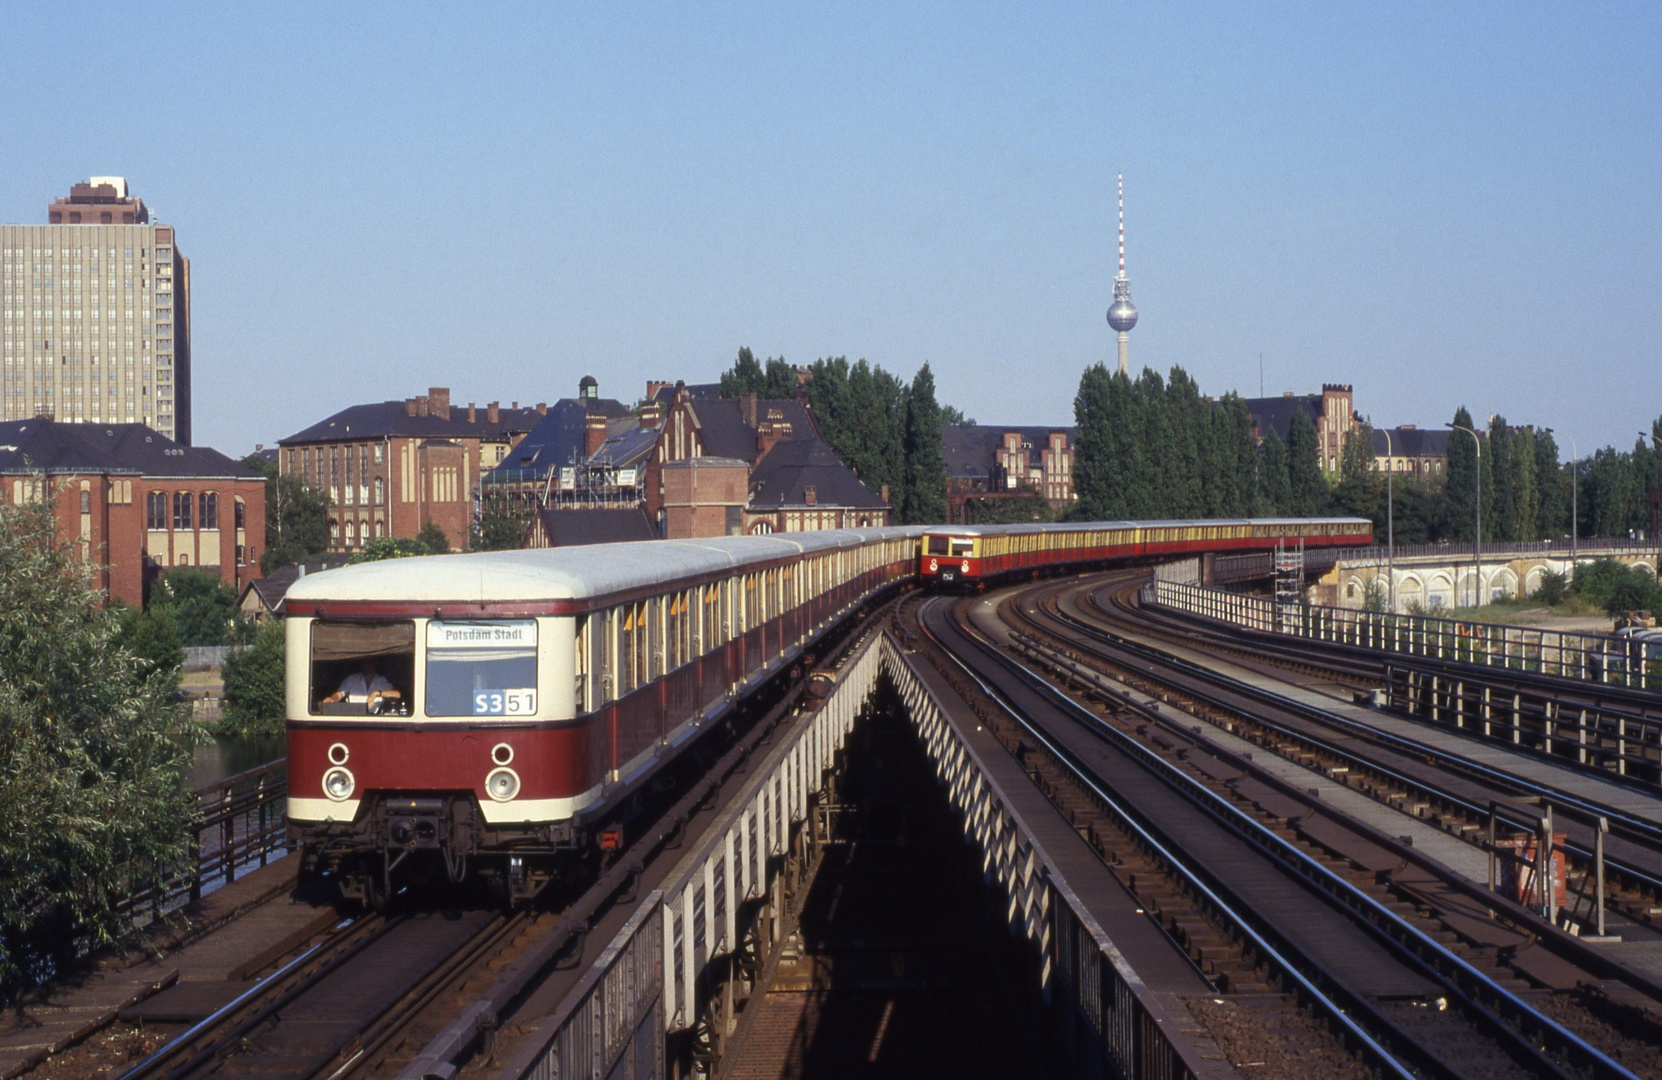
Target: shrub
x=1553, y=588
x=255, y=685
x=1616, y=587
x=92, y=796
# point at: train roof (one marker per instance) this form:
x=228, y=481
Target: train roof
x=567, y=573
x=1081, y=526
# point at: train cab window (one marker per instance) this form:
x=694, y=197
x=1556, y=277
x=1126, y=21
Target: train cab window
x=482, y=668
x=353, y=661
x=961, y=546
x=937, y=545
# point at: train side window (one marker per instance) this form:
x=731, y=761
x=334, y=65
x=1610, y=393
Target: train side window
x=351, y=659
x=626, y=635
x=585, y=653
x=486, y=668
x=961, y=546
x=605, y=661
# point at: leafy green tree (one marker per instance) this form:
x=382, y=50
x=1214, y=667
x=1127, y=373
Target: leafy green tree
x=296, y=522
x=1462, y=473
x=951, y=414
x=388, y=547
x=925, y=467
x=1093, y=448
x=502, y=525
x=203, y=607
x=1307, y=486
x=1361, y=489
x=1278, y=493
x=777, y=381
x=1552, y=510
x=91, y=790
x=1019, y=510
x=744, y=377
x=151, y=636
x=255, y=685
x=432, y=535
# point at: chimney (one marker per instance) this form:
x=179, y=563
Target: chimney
x=438, y=399
x=412, y=406
x=594, y=435
x=514, y=406
x=747, y=409
x=771, y=431
x=472, y=416
x=542, y=408
x=649, y=415
x=493, y=412
x=810, y=496
x=884, y=494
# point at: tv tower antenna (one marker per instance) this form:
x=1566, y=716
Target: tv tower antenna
x=1122, y=316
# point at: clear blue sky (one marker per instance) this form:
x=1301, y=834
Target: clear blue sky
x=1439, y=206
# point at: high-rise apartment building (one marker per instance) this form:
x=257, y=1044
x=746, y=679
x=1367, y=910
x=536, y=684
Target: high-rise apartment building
x=96, y=309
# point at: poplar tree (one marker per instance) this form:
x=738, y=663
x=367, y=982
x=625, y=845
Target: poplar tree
x=1094, y=459
x=1552, y=513
x=1308, y=492
x=1278, y=497
x=925, y=468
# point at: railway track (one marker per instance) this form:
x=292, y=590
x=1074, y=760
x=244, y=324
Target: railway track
x=1251, y=904
x=1449, y=787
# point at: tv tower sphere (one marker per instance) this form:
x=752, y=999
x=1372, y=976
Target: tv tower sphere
x=1123, y=315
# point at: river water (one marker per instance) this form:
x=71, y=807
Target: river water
x=225, y=755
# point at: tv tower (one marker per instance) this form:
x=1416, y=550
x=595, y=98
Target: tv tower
x=1122, y=316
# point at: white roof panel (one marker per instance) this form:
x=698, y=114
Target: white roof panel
x=566, y=573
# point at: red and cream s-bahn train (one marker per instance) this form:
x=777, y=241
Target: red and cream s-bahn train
x=489, y=713
x=971, y=556
x=485, y=713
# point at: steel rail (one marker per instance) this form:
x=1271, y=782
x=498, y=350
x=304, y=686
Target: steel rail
x=1637, y=828
x=220, y=1015
x=1378, y=915
x=1336, y=1013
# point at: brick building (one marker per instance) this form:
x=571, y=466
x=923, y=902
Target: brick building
x=795, y=482
x=137, y=502
x=1411, y=451
x=988, y=461
x=1333, y=412
x=391, y=467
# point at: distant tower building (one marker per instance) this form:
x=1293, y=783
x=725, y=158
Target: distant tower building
x=97, y=314
x=1122, y=316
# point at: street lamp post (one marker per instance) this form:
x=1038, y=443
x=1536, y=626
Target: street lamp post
x=1477, y=546
x=1390, y=524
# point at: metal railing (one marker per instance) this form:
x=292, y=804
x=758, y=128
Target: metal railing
x=1602, y=658
x=1495, y=551
x=241, y=825
x=650, y=981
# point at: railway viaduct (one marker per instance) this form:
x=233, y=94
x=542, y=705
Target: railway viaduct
x=1434, y=576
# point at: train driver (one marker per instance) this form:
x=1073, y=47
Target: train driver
x=366, y=685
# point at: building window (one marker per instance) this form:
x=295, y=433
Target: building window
x=351, y=534
x=241, y=556
x=210, y=510
x=241, y=514
x=86, y=501
x=181, y=509
x=380, y=491
x=155, y=510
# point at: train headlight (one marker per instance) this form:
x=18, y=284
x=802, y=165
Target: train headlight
x=502, y=784
x=338, y=784
x=966, y=566
x=934, y=564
